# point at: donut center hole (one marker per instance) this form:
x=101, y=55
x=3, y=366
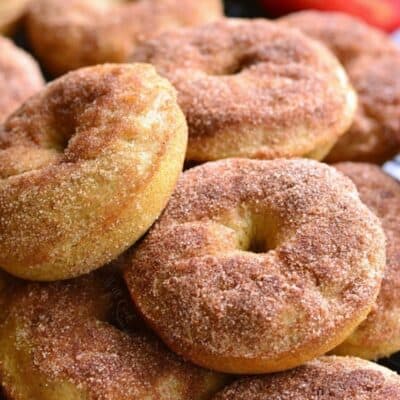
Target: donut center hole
x=235, y=69
x=60, y=142
x=261, y=237
x=258, y=245
x=239, y=65
x=257, y=233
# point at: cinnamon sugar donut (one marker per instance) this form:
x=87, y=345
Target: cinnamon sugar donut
x=10, y=13
x=253, y=89
x=80, y=339
x=66, y=35
x=372, y=61
x=86, y=166
x=20, y=77
x=379, y=335
x=327, y=378
x=258, y=266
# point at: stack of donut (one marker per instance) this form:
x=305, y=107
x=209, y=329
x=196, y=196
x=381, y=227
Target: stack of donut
x=258, y=272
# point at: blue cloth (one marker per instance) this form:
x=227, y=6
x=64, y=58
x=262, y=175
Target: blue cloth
x=393, y=168
x=396, y=36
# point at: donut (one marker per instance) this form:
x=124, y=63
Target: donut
x=379, y=335
x=253, y=89
x=371, y=60
x=86, y=166
x=67, y=35
x=10, y=13
x=80, y=339
x=257, y=266
x=20, y=77
x=326, y=378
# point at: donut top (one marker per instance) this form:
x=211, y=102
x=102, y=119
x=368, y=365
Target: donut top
x=20, y=77
x=253, y=252
x=237, y=73
x=77, y=33
x=86, y=113
x=149, y=16
x=77, y=121
x=375, y=133
x=83, y=334
x=327, y=378
x=73, y=160
x=347, y=36
x=378, y=88
x=371, y=59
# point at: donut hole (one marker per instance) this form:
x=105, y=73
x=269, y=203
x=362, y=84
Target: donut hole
x=235, y=69
x=75, y=118
x=257, y=232
x=60, y=140
x=239, y=65
x=262, y=235
x=258, y=245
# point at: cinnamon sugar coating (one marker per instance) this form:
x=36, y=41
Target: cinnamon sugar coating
x=258, y=266
x=86, y=166
x=327, y=378
x=66, y=35
x=20, y=77
x=372, y=60
x=253, y=89
x=11, y=12
x=80, y=339
x=379, y=335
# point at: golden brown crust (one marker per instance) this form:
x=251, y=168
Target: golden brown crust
x=253, y=89
x=20, y=77
x=379, y=335
x=80, y=339
x=86, y=167
x=327, y=378
x=372, y=61
x=200, y=285
x=11, y=12
x=66, y=35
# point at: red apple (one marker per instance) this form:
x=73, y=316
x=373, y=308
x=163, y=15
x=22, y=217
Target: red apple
x=384, y=14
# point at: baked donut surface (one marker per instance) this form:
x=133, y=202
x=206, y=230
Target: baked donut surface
x=327, y=378
x=20, y=77
x=10, y=13
x=258, y=266
x=372, y=60
x=253, y=89
x=80, y=339
x=67, y=35
x=86, y=166
x=379, y=335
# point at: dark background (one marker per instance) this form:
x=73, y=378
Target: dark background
x=243, y=8
x=251, y=9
